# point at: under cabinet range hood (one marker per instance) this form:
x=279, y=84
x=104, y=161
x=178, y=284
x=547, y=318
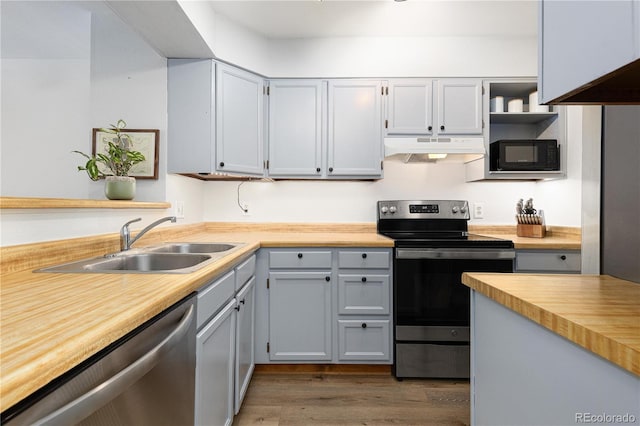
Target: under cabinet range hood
x=426, y=149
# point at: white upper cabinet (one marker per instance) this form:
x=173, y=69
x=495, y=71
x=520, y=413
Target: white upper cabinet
x=239, y=121
x=459, y=107
x=355, y=128
x=454, y=105
x=215, y=118
x=410, y=107
x=191, y=110
x=581, y=41
x=295, y=128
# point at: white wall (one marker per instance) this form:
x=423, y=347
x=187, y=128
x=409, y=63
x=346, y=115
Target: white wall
x=45, y=98
x=68, y=67
x=403, y=57
x=561, y=199
x=71, y=66
x=337, y=201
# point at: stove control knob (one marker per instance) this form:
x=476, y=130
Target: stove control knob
x=463, y=209
x=392, y=209
x=455, y=209
x=384, y=209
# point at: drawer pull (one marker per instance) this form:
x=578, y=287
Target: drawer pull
x=364, y=279
x=563, y=257
x=299, y=255
x=364, y=325
x=327, y=278
x=364, y=255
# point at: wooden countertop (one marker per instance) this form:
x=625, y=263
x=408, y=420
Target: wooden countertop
x=557, y=238
x=598, y=312
x=52, y=322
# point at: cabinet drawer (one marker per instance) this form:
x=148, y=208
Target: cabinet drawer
x=363, y=294
x=552, y=261
x=245, y=271
x=364, y=259
x=214, y=296
x=300, y=259
x=364, y=340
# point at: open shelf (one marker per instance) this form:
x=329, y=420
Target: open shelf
x=72, y=203
x=520, y=117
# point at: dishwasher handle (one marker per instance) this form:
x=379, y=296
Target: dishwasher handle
x=83, y=406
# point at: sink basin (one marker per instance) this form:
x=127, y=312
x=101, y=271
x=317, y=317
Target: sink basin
x=135, y=263
x=145, y=262
x=192, y=248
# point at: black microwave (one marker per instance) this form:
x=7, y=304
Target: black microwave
x=524, y=155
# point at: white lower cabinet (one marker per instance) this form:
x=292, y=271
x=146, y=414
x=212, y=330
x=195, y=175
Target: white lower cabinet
x=215, y=349
x=245, y=338
x=548, y=261
x=324, y=305
x=364, y=340
x=300, y=316
x=225, y=345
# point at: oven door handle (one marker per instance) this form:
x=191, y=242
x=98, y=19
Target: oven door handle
x=448, y=253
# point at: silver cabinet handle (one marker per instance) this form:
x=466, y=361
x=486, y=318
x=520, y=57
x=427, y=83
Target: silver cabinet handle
x=83, y=406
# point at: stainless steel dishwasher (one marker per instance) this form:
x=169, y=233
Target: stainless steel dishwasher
x=145, y=378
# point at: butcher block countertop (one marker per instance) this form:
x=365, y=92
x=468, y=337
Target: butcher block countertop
x=51, y=322
x=598, y=312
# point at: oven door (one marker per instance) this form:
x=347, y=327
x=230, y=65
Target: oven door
x=431, y=308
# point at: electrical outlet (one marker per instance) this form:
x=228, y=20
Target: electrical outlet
x=478, y=210
x=245, y=209
x=179, y=209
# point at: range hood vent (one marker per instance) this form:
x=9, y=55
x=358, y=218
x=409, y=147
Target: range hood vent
x=425, y=149
x=619, y=87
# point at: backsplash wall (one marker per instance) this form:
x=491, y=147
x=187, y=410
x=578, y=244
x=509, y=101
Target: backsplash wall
x=340, y=201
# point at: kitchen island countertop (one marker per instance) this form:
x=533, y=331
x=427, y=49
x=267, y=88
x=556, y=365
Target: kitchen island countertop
x=597, y=312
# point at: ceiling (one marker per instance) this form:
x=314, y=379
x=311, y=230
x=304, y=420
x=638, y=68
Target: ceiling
x=385, y=18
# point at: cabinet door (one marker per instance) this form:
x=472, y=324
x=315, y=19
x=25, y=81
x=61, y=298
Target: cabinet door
x=355, y=128
x=239, y=123
x=548, y=261
x=364, y=340
x=245, y=332
x=295, y=128
x=410, y=107
x=215, y=347
x=191, y=97
x=365, y=294
x=459, y=107
x=300, y=316
x=581, y=41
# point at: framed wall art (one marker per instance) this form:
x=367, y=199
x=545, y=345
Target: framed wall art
x=146, y=141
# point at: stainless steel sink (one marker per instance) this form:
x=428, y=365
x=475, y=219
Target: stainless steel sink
x=135, y=263
x=192, y=248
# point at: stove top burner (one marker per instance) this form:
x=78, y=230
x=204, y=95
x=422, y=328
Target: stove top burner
x=431, y=223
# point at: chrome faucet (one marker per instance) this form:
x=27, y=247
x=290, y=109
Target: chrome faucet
x=125, y=234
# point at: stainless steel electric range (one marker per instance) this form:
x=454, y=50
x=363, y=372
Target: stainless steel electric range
x=431, y=305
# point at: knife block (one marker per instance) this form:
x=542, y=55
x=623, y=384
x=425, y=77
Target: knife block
x=530, y=231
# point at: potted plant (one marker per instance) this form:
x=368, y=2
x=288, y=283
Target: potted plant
x=117, y=159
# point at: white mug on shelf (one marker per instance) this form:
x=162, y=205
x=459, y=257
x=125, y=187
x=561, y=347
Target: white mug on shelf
x=497, y=104
x=515, y=105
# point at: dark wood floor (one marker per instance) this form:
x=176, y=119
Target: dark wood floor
x=352, y=398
